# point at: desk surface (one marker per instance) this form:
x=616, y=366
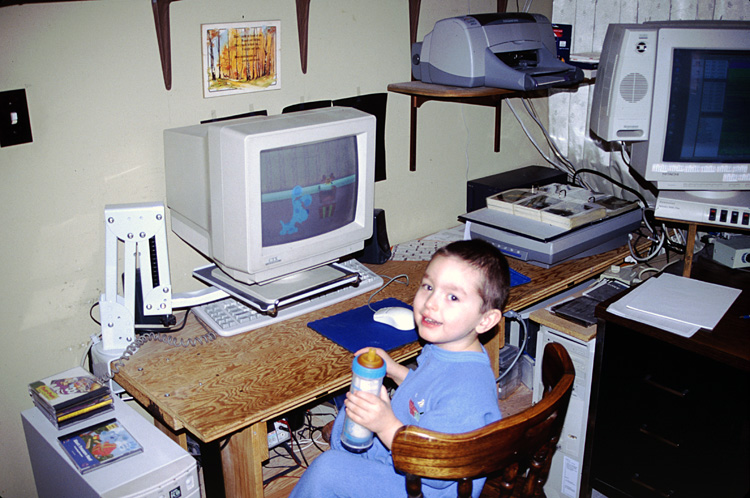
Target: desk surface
x=728, y=342
x=216, y=389
x=556, y=322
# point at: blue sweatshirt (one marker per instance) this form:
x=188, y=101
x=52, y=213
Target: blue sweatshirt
x=450, y=392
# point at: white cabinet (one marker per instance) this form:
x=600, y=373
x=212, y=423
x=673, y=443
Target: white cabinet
x=564, y=479
x=163, y=469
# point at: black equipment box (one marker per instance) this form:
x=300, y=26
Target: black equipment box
x=478, y=190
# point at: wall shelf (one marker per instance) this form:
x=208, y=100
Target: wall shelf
x=486, y=96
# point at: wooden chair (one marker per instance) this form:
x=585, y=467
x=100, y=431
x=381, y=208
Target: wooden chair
x=515, y=453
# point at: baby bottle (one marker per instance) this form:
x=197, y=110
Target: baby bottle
x=368, y=370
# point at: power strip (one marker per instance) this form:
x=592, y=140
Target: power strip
x=280, y=433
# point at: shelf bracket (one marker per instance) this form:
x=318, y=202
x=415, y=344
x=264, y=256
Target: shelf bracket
x=161, y=21
x=416, y=101
x=303, y=20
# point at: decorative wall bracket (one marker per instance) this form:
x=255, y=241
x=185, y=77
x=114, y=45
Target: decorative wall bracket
x=303, y=21
x=161, y=21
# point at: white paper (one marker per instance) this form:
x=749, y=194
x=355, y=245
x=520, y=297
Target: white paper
x=692, y=297
x=620, y=308
x=682, y=299
x=570, y=476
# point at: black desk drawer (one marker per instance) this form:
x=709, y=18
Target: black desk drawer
x=669, y=422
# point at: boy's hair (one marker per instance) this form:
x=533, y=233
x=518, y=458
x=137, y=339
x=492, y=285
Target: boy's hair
x=490, y=262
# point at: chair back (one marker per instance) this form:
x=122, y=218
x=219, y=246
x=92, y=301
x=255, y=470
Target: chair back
x=515, y=453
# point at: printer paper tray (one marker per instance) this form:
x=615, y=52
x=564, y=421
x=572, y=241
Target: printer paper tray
x=548, y=77
x=537, y=71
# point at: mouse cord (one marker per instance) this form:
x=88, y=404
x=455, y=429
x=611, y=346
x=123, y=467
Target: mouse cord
x=393, y=279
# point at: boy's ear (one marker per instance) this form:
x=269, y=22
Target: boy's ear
x=489, y=320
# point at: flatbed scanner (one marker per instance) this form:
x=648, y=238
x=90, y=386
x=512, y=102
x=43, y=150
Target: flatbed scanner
x=515, y=51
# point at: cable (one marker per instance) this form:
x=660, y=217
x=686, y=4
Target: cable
x=515, y=316
x=612, y=180
x=164, y=330
x=393, y=279
x=624, y=153
x=312, y=429
x=532, y=140
x=91, y=314
x=550, y=141
x=143, y=330
x=294, y=440
x=653, y=252
x=468, y=143
x=169, y=340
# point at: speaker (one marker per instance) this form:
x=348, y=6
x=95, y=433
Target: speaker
x=377, y=250
x=621, y=100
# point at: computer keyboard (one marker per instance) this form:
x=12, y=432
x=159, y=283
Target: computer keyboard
x=229, y=316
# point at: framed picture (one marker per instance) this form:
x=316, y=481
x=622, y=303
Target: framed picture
x=241, y=57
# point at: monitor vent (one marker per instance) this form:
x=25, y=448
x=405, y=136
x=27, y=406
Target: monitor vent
x=633, y=87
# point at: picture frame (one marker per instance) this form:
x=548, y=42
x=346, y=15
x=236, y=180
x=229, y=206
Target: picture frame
x=241, y=57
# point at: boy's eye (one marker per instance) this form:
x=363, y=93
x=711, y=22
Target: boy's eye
x=427, y=287
x=453, y=297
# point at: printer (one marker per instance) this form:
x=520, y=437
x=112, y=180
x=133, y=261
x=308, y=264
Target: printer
x=515, y=51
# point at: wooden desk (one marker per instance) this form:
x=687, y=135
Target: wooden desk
x=548, y=282
x=692, y=231
x=228, y=389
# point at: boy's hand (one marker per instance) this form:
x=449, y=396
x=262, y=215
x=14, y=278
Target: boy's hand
x=374, y=413
x=393, y=370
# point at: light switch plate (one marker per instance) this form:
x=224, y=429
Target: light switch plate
x=15, y=123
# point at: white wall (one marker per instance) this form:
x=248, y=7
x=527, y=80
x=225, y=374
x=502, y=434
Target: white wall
x=98, y=108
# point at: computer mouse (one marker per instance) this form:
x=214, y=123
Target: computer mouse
x=400, y=318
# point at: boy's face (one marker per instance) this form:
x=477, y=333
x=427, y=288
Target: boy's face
x=447, y=306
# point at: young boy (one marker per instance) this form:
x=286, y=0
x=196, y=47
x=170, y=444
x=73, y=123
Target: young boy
x=452, y=390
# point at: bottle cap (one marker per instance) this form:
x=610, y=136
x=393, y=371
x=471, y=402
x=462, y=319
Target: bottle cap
x=370, y=359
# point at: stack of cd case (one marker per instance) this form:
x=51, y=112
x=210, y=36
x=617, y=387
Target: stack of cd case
x=70, y=396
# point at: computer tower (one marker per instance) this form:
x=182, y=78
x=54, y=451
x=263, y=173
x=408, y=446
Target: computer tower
x=564, y=479
x=478, y=190
x=163, y=469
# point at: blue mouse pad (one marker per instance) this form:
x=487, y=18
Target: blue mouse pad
x=517, y=278
x=355, y=329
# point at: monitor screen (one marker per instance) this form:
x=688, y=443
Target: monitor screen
x=308, y=189
x=709, y=107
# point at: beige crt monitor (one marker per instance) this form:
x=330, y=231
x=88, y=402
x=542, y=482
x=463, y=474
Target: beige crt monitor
x=270, y=196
